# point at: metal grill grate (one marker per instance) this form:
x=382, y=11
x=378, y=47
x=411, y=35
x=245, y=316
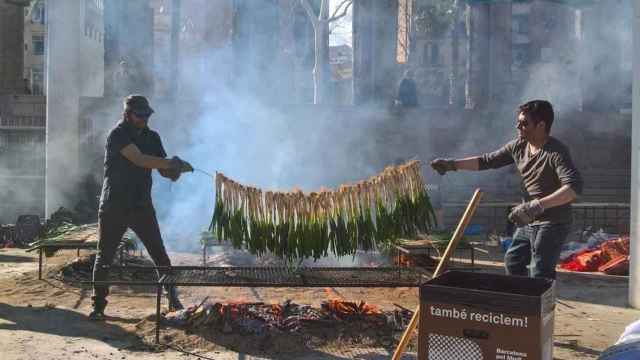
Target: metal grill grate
x=129, y=275
x=300, y=277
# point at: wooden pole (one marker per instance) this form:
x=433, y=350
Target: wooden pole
x=40, y=263
x=457, y=235
x=158, y=298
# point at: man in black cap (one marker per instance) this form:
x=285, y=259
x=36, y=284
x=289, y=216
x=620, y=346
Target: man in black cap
x=132, y=151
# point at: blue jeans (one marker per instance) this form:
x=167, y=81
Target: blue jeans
x=539, y=247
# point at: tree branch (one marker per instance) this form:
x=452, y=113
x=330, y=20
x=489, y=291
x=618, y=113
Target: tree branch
x=345, y=10
x=312, y=16
x=324, y=10
x=337, y=9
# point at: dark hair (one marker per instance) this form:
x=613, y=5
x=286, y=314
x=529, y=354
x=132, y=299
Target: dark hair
x=538, y=110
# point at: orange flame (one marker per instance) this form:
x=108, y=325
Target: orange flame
x=345, y=308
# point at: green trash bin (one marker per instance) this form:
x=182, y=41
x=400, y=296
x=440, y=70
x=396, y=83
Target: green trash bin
x=476, y=316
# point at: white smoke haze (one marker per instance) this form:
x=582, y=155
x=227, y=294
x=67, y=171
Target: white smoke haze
x=583, y=68
x=234, y=116
x=21, y=161
x=255, y=144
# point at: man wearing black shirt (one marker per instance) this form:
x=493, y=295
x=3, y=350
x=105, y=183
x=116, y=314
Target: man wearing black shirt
x=551, y=183
x=132, y=151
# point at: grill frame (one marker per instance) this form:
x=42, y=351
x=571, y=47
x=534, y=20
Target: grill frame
x=248, y=276
x=169, y=279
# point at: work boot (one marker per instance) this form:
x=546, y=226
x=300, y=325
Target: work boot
x=98, y=309
x=174, y=301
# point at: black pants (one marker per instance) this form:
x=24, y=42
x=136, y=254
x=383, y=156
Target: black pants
x=112, y=226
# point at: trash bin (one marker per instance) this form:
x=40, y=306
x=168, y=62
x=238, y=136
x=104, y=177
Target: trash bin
x=475, y=316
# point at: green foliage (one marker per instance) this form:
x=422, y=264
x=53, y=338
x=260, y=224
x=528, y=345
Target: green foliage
x=56, y=232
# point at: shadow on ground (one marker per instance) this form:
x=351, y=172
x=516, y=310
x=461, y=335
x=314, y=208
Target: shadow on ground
x=578, y=349
x=593, y=289
x=317, y=340
x=16, y=259
x=67, y=323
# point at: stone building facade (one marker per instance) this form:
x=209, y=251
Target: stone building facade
x=11, y=40
x=35, y=33
x=546, y=49
x=22, y=123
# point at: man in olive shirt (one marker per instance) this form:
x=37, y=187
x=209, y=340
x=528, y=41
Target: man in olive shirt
x=132, y=151
x=550, y=180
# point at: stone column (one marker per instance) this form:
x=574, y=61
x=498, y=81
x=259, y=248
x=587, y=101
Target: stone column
x=128, y=27
x=11, y=47
x=601, y=57
x=63, y=92
x=634, y=267
x=374, y=49
x=386, y=40
x=255, y=45
x=477, y=77
x=500, y=54
x=362, y=51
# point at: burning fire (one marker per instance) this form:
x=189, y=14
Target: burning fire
x=287, y=316
x=343, y=309
x=331, y=294
x=415, y=261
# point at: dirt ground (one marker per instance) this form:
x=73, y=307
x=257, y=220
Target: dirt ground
x=46, y=319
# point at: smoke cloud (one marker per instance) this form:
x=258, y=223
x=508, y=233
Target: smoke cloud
x=236, y=113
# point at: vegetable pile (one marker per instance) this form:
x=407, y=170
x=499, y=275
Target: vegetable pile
x=292, y=225
x=56, y=235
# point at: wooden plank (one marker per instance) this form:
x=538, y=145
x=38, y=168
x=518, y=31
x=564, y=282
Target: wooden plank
x=457, y=235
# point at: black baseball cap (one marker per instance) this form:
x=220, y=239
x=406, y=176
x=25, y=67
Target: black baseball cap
x=137, y=104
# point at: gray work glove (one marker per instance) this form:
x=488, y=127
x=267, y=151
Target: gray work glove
x=443, y=165
x=180, y=165
x=173, y=173
x=177, y=167
x=526, y=213
x=186, y=167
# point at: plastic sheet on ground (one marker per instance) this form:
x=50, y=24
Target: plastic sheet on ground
x=610, y=257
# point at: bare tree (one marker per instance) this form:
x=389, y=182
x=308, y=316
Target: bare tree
x=405, y=9
x=320, y=22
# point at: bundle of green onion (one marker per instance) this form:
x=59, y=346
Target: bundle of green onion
x=292, y=225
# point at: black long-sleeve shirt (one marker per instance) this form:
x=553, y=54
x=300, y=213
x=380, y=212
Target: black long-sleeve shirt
x=408, y=92
x=542, y=173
